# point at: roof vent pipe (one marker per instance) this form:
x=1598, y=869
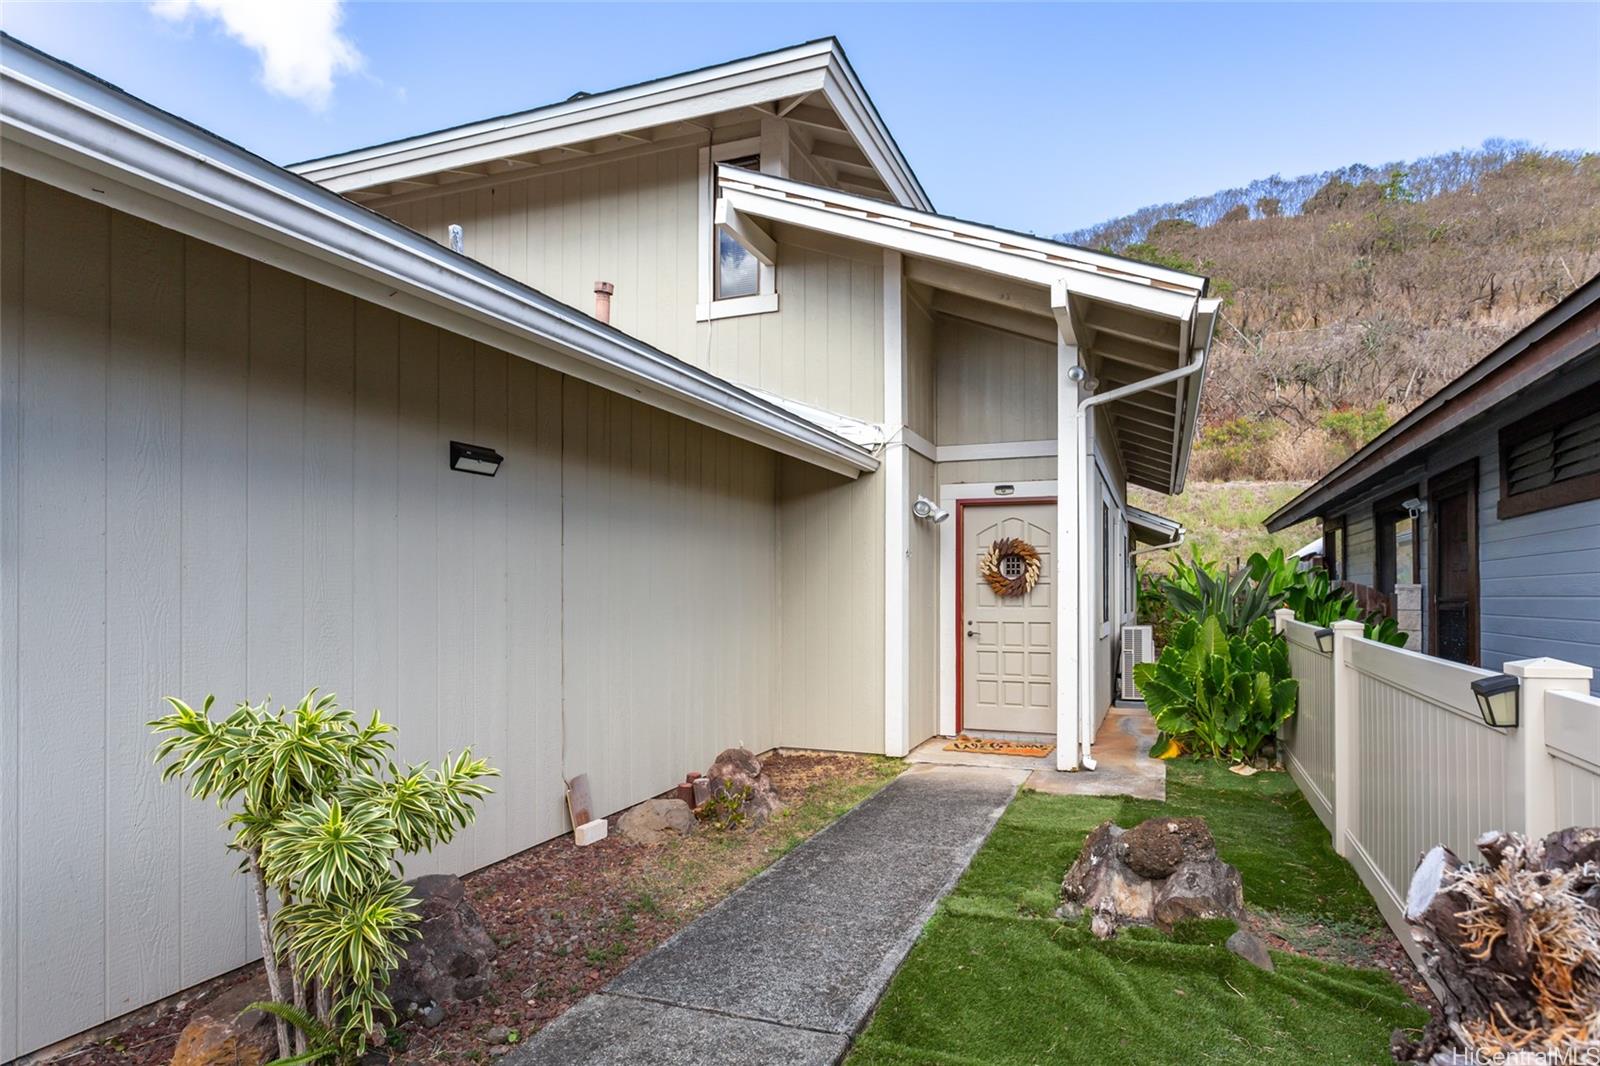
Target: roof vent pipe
x=602, y=300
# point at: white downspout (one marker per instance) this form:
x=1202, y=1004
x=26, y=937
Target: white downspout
x=1182, y=533
x=1088, y=625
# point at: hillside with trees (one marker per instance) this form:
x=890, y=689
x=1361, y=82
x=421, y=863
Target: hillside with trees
x=1351, y=296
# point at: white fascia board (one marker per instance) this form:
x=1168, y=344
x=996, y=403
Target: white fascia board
x=854, y=107
x=1016, y=244
x=1157, y=525
x=695, y=94
x=1201, y=332
x=65, y=128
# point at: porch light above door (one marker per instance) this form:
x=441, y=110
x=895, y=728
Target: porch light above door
x=474, y=459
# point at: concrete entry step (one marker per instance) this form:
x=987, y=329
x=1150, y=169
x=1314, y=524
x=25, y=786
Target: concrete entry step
x=795, y=960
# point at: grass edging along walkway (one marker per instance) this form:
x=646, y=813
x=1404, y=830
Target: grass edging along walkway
x=996, y=979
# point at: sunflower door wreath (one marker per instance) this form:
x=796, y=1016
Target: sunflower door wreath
x=1011, y=567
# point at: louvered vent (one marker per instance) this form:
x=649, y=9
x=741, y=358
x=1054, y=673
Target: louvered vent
x=1138, y=646
x=1569, y=450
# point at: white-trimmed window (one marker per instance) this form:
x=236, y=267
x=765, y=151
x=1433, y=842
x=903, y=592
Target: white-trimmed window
x=732, y=281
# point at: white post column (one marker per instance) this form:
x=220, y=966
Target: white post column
x=1344, y=732
x=896, y=476
x=1069, y=566
x=1280, y=617
x=1539, y=678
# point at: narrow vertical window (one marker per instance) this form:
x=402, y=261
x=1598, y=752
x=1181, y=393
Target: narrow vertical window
x=737, y=272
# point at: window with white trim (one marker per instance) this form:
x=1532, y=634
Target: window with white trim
x=732, y=281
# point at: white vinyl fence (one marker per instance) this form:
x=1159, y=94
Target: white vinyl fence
x=1389, y=748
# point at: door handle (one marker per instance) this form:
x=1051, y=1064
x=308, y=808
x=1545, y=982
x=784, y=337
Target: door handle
x=972, y=632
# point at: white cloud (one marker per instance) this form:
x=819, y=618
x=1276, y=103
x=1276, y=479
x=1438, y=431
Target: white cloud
x=301, y=48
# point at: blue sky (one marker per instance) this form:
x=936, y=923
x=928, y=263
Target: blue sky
x=1037, y=117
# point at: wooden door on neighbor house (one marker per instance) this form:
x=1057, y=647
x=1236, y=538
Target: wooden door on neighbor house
x=1453, y=569
x=1008, y=678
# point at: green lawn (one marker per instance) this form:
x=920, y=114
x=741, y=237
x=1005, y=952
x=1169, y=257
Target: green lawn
x=996, y=979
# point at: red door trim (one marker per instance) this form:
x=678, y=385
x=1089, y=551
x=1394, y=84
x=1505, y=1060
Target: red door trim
x=961, y=586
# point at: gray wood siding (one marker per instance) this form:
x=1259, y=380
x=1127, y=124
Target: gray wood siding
x=993, y=386
x=922, y=382
x=220, y=478
x=1538, y=574
x=635, y=222
x=830, y=591
x=631, y=221
x=824, y=344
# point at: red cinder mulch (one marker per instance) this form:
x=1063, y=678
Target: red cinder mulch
x=568, y=919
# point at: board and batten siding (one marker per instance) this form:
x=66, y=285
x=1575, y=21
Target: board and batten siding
x=219, y=478
x=993, y=386
x=635, y=223
x=1539, y=573
x=831, y=603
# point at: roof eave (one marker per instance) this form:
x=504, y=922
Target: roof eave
x=68, y=128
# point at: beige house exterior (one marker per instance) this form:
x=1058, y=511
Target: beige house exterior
x=227, y=396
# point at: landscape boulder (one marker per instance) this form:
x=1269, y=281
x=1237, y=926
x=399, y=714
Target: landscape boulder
x=219, y=1035
x=1157, y=847
x=738, y=772
x=656, y=821
x=1161, y=872
x=453, y=957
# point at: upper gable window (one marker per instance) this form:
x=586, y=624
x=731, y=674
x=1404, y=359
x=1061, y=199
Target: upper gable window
x=732, y=281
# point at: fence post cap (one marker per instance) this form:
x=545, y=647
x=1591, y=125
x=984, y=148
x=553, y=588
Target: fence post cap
x=1545, y=667
x=1283, y=612
x=1347, y=626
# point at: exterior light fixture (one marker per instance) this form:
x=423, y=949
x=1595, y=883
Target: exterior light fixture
x=1499, y=700
x=1325, y=641
x=929, y=511
x=1004, y=490
x=474, y=459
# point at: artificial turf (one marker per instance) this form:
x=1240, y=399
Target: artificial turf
x=996, y=979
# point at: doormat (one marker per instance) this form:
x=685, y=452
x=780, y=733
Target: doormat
x=991, y=746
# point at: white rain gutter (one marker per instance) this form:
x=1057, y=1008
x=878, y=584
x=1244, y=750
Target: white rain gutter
x=1182, y=533
x=1087, y=627
x=66, y=128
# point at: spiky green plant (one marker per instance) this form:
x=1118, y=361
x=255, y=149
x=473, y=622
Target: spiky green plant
x=320, y=813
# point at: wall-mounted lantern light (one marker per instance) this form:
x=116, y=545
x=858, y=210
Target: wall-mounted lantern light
x=929, y=511
x=1004, y=490
x=1499, y=700
x=1325, y=641
x=474, y=459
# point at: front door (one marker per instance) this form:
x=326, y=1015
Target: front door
x=1453, y=600
x=1008, y=681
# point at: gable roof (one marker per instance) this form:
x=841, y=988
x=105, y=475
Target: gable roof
x=1566, y=332
x=788, y=75
x=65, y=127
x=1132, y=321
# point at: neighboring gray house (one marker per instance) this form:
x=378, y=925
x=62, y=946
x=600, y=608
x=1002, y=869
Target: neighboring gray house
x=1477, y=515
x=229, y=393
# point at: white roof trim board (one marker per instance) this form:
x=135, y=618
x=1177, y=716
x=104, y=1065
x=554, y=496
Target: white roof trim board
x=1155, y=529
x=62, y=126
x=1134, y=318
x=815, y=67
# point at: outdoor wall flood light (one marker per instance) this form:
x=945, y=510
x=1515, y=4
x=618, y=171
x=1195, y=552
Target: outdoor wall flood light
x=474, y=459
x=1325, y=641
x=929, y=511
x=1499, y=700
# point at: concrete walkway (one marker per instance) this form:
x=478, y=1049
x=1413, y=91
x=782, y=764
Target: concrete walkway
x=787, y=968
x=1121, y=750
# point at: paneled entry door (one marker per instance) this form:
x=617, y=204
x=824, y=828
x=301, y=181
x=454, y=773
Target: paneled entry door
x=1008, y=677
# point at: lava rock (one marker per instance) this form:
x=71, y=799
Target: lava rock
x=219, y=1035
x=453, y=956
x=1209, y=889
x=1101, y=882
x=1157, y=847
x=1249, y=947
x=656, y=821
x=737, y=771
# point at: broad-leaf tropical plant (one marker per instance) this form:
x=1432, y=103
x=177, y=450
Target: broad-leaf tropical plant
x=1315, y=599
x=320, y=813
x=1220, y=694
